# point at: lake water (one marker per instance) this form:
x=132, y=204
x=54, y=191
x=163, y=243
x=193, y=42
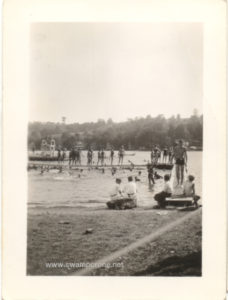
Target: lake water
x=92, y=188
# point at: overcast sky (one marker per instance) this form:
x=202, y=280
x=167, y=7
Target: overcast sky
x=86, y=71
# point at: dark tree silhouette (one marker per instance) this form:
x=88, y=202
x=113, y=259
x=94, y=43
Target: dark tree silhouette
x=138, y=133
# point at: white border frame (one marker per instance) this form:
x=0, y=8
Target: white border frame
x=16, y=20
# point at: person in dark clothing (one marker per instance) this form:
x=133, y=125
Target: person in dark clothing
x=102, y=157
x=111, y=156
x=166, y=192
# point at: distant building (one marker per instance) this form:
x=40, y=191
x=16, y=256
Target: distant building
x=48, y=147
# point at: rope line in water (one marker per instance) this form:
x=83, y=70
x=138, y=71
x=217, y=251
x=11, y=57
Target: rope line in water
x=148, y=238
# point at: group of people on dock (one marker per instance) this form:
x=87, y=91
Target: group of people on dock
x=76, y=154
x=61, y=155
x=178, y=154
x=157, y=155
x=164, y=155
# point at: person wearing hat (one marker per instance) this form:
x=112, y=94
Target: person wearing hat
x=180, y=156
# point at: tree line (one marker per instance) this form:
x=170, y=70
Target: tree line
x=135, y=134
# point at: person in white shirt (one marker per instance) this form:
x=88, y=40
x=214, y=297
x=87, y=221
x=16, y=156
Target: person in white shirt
x=117, y=191
x=130, y=189
x=166, y=192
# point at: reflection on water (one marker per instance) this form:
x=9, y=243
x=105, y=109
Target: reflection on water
x=91, y=189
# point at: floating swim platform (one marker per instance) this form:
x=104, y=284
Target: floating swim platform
x=163, y=166
x=43, y=158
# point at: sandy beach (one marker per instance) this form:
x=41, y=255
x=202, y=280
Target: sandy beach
x=57, y=235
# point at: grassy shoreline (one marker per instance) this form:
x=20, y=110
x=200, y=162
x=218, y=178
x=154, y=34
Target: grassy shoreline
x=57, y=235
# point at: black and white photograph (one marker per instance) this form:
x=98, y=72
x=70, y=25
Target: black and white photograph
x=115, y=147
x=114, y=180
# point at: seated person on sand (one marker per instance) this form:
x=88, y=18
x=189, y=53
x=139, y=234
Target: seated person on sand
x=189, y=189
x=165, y=193
x=130, y=190
x=117, y=191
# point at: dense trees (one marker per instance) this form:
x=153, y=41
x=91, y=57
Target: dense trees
x=138, y=133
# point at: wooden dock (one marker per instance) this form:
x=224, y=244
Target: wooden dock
x=65, y=164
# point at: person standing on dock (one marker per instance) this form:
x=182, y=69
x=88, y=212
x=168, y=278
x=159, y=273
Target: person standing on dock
x=59, y=155
x=79, y=156
x=71, y=157
x=98, y=157
x=76, y=150
x=102, y=157
x=89, y=156
x=112, y=153
x=180, y=156
x=165, y=155
x=63, y=156
x=121, y=155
